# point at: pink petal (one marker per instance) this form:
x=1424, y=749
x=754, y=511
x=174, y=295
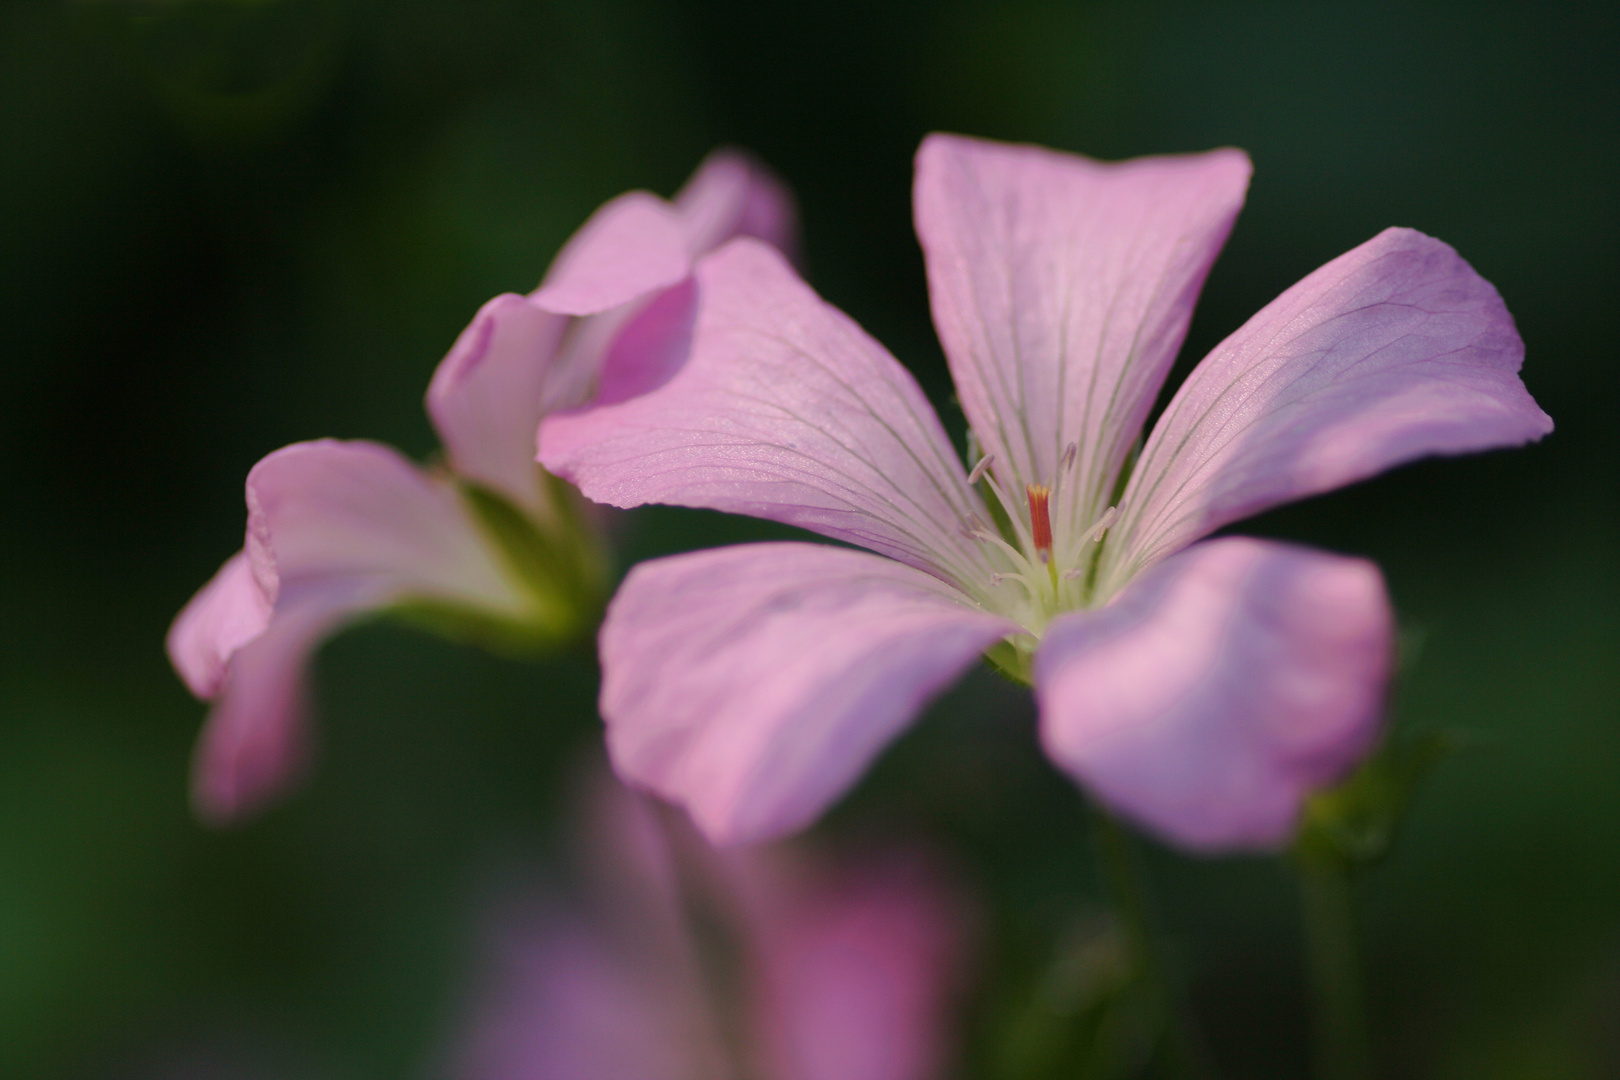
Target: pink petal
x=329, y=511
x=859, y=969
x=1219, y=689
x=1062, y=288
x=733, y=194
x=334, y=529
x=628, y=248
x=225, y=614
x=488, y=395
x=562, y=1002
x=255, y=743
x=649, y=347
x=753, y=684
x=1390, y=352
x=785, y=410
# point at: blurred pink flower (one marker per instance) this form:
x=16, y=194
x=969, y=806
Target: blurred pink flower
x=337, y=529
x=1199, y=690
x=808, y=969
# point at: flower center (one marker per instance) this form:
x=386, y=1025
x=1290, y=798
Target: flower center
x=1045, y=554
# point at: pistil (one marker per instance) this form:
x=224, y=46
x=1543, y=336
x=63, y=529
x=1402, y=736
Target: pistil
x=1040, y=519
x=1040, y=528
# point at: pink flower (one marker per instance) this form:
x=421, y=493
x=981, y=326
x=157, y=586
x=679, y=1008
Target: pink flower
x=1199, y=687
x=485, y=546
x=810, y=970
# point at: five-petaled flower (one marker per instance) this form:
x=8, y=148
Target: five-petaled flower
x=1199, y=687
x=483, y=546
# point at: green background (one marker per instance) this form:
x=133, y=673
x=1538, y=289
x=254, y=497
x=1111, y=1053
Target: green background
x=232, y=225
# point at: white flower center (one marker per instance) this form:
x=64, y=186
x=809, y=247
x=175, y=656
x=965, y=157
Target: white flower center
x=1046, y=560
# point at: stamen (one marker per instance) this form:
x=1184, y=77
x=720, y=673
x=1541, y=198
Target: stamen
x=1040, y=519
x=1070, y=575
x=1010, y=508
x=995, y=579
x=978, y=470
x=1096, y=531
x=1070, y=453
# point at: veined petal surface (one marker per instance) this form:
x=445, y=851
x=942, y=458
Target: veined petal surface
x=489, y=392
x=752, y=684
x=1061, y=290
x=1219, y=689
x=331, y=511
x=785, y=409
x=1393, y=351
x=226, y=614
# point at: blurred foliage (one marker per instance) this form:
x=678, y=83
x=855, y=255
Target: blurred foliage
x=232, y=224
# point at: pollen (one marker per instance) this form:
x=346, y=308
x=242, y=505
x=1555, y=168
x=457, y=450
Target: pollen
x=1040, y=519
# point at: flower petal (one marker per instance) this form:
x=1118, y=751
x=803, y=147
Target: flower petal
x=255, y=742
x=1219, y=689
x=859, y=967
x=488, y=395
x=733, y=194
x=629, y=247
x=226, y=613
x=1062, y=288
x=334, y=529
x=329, y=511
x=753, y=684
x=1393, y=351
x=785, y=410
x=560, y=1001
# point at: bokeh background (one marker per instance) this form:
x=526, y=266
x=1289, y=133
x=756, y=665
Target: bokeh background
x=232, y=224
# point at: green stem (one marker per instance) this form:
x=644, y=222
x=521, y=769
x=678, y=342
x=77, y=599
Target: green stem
x=1184, y=1053
x=1342, y=1049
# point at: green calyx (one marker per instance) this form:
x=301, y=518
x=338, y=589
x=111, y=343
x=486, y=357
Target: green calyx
x=1355, y=822
x=559, y=568
x=1014, y=658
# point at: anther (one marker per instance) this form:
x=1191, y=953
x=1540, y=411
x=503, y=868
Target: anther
x=978, y=470
x=1040, y=518
x=1070, y=453
x=995, y=579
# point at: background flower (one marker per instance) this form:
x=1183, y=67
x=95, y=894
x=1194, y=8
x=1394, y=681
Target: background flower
x=491, y=547
x=809, y=965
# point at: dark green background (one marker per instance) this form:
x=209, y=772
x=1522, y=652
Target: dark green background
x=225, y=226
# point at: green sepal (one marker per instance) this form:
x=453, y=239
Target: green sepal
x=1356, y=821
x=560, y=565
x=558, y=568
x=1014, y=658
x=490, y=630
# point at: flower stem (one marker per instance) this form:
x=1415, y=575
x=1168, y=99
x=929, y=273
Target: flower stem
x=1185, y=1055
x=1342, y=1051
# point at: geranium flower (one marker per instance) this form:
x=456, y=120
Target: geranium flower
x=812, y=967
x=1198, y=687
x=486, y=546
